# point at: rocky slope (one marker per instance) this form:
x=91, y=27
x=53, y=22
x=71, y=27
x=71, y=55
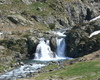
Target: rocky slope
x=22, y=22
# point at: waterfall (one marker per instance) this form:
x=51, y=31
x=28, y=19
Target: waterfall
x=43, y=50
x=60, y=47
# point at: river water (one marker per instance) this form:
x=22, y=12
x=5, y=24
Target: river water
x=23, y=71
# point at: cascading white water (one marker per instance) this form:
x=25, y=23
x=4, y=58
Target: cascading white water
x=23, y=71
x=43, y=50
x=61, y=46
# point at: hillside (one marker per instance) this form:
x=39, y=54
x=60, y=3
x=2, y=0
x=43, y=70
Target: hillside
x=22, y=22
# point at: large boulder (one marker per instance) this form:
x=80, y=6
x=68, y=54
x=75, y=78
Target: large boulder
x=53, y=44
x=78, y=41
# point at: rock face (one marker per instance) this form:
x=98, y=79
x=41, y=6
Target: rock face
x=18, y=19
x=31, y=45
x=62, y=13
x=81, y=11
x=16, y=45
x=78, y=41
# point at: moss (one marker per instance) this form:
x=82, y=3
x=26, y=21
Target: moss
x=52, y=26
x=2, y=68
x=15, y=45
x=33, y=9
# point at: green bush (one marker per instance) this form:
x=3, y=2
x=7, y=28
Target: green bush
x=52, y=26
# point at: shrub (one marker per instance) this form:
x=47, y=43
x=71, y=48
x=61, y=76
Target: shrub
x=52, y=26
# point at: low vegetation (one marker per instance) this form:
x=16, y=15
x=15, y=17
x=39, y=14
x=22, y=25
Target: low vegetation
x=2, y=68
x=89, y=70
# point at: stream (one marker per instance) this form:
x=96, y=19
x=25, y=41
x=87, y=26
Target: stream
x=24, y=71
x=43, y=56
x=27, y=70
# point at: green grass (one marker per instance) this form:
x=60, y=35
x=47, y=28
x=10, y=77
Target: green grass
x=30, y=9
x=33, y=9
x=88, y=70
x=51, y=66
x=2, y=68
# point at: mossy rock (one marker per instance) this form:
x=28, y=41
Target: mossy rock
x=79, y=43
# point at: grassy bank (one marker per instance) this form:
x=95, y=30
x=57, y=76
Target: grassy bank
x=89, y=70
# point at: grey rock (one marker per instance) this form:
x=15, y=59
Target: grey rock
x=78, y=43
x=40, y=9
x=21, y=63
x=44, y=19
x=5, y=1
x=18, y=19
x=28, y=2
x=80, y=12
x=2, y=47
x=53, y=43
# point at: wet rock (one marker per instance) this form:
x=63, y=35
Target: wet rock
x=24, y=75
x=21, y=63
x=53, y=44
x=32, y=43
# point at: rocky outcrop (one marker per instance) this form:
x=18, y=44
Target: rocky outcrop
x=81, y=11
x=53, y=44
x=18, y=19
x=31, y=44
x=16, y=45
x=28, y=1
x=13, y=50
x=5, y=1
x=78, y=41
